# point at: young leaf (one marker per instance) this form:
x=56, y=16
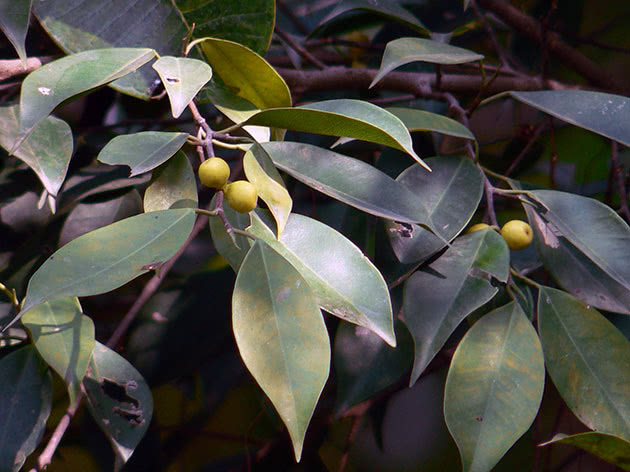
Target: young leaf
x=14, y=18
x=587, y=359
x=607, y=447
x=451, y=194
x=420, y=120
x=119, y=400
x=273, y=193
x=349, y=180
x=494, y=387
x=64, y=337
x=405, y=50
x=142, y=151
x=182, y=78
x=439, y=297
x=47, y=150
x=109, y=257
x=344, y=281
x=173, y=185
x=25, y=401
x=57, y=81
x=584, y=244
x=281, y=336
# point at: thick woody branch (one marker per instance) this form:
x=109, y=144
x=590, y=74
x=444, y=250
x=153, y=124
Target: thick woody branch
x=12, y=67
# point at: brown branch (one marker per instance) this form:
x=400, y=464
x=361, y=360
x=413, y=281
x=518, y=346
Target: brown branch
x=553, y=43
x=13, y=67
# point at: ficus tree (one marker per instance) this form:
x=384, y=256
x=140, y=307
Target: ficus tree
x=353, y=235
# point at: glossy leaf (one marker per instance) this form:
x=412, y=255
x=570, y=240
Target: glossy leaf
x=343, y=117
x=223, y=243
x=173, y=185
x=451, y=193
x=344, y=281
x=420, y=120
x=25, y=402
x=64, y=337
x=605, y=446
x=602, y=113
x=439, y=297
x=365, y=364
x=348, y=180
x=182, y=77
x=47, y=150
x=405, y=50
x=494, y=387
x=57, y=81
x=142, y=151
x=584, y=244
x=587, y=359
x=257, y=165
x=119, y=400
x=390, y=9
x=281, y=336
x=14, y=18
x=109, y=257
x=251, y=75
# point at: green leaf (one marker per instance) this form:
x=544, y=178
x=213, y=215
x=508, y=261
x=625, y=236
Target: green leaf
x=343, y=117
x=281, y=336
x=610, y=448
x=247, y=22
x=420, y=120
x=109, y=257
x=119, y=400
x=257, y=166
x=250, y=74
x=25, y=402
x=182, y=78
x=173, y=185
x=14, y=17
x=348, y=180
x=223, y=243
x=64, y=337
x=47, y=150
x=494, y=387
x=602, y=113
x=344, y=281
x=365, y=365
x=451, y=193
x=405, y=50
x=584, y=244
x=57, y=81
x=587, y=359
x=438, y=297
x=142, y=151
x=390, y=9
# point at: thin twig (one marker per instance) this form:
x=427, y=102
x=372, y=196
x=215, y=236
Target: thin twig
x=505, y=65
x=621, y=181
x=539, y=129
x=292, y=16
x=299, y=49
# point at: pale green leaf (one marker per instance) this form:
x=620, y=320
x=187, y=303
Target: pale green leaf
x=420, y=120
x=172, y=185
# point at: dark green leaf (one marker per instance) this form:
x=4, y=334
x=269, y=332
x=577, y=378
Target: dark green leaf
x=14, y=16
x=405, y=50
x=451, y=194
x=587, y=359
x=439, y=297
x=605, y=446
x=494, y=387
x=173, y=185
x=142, y=151
x=25, y=401
x=119, y=400
x=420, y=120
x=223, y=243
x=64, y=337
x=281, y=336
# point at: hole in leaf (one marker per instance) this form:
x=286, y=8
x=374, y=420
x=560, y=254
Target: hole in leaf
x=133, y=417
x=118, y=392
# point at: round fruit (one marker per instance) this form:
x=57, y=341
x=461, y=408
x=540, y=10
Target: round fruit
x=214, y=172
x=241, y=195
x=517, y=234
x=477, y=227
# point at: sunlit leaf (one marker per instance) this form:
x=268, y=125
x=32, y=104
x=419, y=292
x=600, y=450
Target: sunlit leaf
x=142, y=151
x=281, y=336
x=173, y=185
x=438, y=297
x=14, y=16
x=610, y=448
x=64, y=337
x=494, y=387
x=587, y=359
x=25, y=402
x=405, y=50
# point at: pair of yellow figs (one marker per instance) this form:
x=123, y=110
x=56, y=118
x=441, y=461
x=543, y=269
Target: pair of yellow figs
x=517, y=233
x=240, y=195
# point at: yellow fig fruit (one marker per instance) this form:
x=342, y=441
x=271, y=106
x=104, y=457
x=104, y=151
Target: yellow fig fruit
x=241, y=196
x=214, y=172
